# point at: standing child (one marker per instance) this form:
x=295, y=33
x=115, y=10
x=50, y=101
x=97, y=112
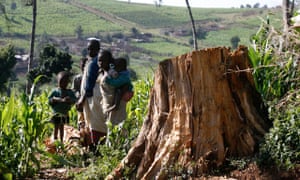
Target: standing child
x=76, y=86
x=61, y=100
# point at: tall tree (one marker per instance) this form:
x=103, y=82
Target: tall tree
x=193, y=25
x=51, y=61
x=34, y=8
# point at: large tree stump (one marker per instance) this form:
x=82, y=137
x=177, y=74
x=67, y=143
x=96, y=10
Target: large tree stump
x=203, y=108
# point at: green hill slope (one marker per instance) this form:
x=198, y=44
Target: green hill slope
x=147, y=34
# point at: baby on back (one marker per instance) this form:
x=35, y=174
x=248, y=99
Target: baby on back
x=120, y=79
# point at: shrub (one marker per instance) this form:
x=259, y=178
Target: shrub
x=7, y=63
x=276, y=75
x=23, y=126
x=282, y=143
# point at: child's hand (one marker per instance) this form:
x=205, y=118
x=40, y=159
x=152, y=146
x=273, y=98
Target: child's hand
x=79, y=104
x=65, y=99
x=79, y=107
x=127, y=96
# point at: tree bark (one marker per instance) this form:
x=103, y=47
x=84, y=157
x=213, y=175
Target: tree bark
x=203, y=108
x=193, y=25
x=288, y=11
x=31, y=54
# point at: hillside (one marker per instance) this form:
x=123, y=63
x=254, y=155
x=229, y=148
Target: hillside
x=198, y=111
x=147, y=34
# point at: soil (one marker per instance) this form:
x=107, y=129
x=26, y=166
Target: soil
x=252, y=172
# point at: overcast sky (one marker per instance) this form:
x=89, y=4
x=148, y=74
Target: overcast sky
x=213, y=3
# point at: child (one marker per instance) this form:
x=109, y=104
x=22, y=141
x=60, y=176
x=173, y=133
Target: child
x=121, y=82
x=115, y=106
x=61, y=100
x=77, y=79
x=76, y=85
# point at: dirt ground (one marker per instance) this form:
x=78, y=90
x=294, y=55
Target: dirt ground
x=252, y=172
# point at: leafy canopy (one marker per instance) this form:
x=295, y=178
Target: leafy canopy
x=7, y=63
x=51, y=61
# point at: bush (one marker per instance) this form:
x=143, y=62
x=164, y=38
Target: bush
x=7, y=63
x=276, y=75
x=23, y=125
x=282, y=143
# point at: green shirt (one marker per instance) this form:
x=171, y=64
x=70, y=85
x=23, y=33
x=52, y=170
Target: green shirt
x=61, y=107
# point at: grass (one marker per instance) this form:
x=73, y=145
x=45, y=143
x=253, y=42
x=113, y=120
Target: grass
x=59, y=20
x=169, y=48
x=56, y=18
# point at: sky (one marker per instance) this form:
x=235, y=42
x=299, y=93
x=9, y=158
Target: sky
x=213, y=3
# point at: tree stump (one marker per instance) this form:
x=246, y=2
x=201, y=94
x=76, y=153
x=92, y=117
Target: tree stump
x=203, y=108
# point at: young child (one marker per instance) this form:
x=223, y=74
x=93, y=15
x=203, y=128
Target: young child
x=116, y=86
x=76, y=86
x=61, y=100
x=122, y=83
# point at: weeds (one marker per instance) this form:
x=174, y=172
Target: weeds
x=275, y=59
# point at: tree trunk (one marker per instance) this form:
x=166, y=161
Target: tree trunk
x=193, y=25
x=203, y=108
x=28, y=85
x=288, y=11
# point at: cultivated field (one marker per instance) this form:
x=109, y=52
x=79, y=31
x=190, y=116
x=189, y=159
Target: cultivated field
x=113, y=22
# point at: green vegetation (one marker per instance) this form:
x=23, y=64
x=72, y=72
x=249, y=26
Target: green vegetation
x=8, y=61
x=51, y=61
x=59, y=18
x=59, y=21
x=121, y=137
x=169, y=48
x=276, y=74
x=54, y=17
x=24, y=124
x=24, y=120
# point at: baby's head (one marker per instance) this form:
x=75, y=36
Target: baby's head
x=121, y=64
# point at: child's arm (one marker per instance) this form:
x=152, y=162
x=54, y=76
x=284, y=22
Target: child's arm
x=59, y=100
x=119, y=81
x=72, y=97
x=55, y=98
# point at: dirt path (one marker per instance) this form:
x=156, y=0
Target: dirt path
x=123, y=22
x=109, y=17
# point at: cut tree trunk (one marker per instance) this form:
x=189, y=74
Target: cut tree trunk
x=203, y=108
